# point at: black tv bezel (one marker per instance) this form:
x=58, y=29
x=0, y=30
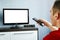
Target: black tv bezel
x=14, y=23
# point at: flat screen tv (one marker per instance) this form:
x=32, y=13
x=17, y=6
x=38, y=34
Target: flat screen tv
x=15, y=16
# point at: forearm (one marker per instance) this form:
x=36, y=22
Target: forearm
x=49, y=25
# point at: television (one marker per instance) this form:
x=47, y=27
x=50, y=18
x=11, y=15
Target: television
x=15, y=16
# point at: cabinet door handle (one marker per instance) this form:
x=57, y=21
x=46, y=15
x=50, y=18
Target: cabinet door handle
x=21, y=33
x=2, y=34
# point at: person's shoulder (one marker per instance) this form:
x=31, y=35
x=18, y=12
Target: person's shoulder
x=55, y=33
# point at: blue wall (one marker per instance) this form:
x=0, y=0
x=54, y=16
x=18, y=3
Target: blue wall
x=37, y=8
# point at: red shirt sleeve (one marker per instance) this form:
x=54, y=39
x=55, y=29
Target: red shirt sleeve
x=54, y=35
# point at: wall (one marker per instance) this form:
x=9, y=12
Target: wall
x=37, y=8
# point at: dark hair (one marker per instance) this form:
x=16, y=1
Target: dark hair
x=57, y=5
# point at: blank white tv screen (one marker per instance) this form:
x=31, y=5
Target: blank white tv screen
x=16, y=16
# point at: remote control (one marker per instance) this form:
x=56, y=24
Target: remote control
x=38, y=21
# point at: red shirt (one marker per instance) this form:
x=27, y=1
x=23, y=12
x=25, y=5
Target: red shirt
x=54, y=35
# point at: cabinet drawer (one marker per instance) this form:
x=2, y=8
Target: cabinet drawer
x=24, y=35
x=4, y=35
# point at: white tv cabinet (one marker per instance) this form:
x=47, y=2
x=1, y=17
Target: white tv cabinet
x=19, y=34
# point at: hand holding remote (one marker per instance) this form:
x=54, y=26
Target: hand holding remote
x=38, y=21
